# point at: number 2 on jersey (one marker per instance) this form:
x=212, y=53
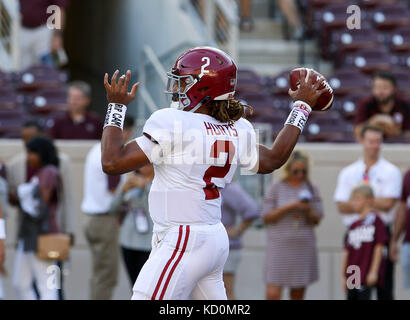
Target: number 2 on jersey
x=211, y=191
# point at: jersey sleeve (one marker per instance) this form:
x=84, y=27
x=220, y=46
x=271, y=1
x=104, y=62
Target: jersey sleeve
x=157, y=139
x=248, y=158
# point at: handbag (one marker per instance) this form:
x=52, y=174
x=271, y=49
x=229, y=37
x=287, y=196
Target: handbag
x=53, y=246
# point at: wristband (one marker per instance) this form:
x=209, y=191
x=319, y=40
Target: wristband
x=115, y=115
x=2, y=229
x=303, y=106
x=297, y=118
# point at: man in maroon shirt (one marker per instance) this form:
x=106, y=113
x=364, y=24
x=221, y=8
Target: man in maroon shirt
x=36, y=39
x=402, y=225
x=78, y=123
x=364, y=246
x=384, y=108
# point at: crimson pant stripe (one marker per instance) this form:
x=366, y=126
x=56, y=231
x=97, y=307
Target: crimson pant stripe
x=176, y=263
x=167, y=265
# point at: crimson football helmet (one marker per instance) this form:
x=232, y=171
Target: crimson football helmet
x=200, y=75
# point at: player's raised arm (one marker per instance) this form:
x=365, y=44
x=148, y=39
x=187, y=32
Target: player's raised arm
x=304, y=97
x=116, y=157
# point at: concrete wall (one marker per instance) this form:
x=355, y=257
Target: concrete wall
x=327, y=159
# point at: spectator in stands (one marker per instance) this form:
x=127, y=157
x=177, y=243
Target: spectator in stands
x=402, y=225
x=130, y=203
x=364, y=245
x=236, y=205
x=37, y=41
x=43, y=188
x=290, y=11
x=101, y=229
x=292, y=208
x=246, y=22
x=385, y=179
x=384, y=109
x=78, y=123
x=3, y=202
x=20, y=171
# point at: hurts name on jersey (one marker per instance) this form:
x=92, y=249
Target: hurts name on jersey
x=213, y=129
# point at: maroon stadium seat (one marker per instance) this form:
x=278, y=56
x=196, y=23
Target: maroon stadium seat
x=279, y=84
x=347, y=105
x=248, y=80
x=369, y=60
x=11, y=121
x=399, y=39
x=349, y=81
x=9, y=100
x=37, y=77
x=48, y=100
x=402, y=79
x=387, y=17
x=401, y=59
x=347, y=41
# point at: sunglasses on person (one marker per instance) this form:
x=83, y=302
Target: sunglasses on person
x=297, y=171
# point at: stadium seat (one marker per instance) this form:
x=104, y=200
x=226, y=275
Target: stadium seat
x=346, y=106
x=403, y=80
x=387, y=17
x=11, y=121
x=9, y=100
x=47, y=100
x=401, y=59
x=279, y=84
x=346, y=41
x=369, y=60
x=399, y=39
x=349, y=81
x=248, y=80
x=37, y=77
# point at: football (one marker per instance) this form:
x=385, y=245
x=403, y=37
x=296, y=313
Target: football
x=325, y=101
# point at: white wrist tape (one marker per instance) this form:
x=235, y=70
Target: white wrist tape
x=297, y=118
x=115, y=115
x=2, y=229
x=302, y=105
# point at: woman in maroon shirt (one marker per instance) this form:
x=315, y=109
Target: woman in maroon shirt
x=39, y=201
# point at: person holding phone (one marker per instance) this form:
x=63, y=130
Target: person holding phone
x=292, y=208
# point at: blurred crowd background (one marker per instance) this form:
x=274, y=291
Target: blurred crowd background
x=52, y=103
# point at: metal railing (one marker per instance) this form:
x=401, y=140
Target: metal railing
x=220, y=18
x=9, y=26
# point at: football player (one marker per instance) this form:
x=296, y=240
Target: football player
x=195, y=146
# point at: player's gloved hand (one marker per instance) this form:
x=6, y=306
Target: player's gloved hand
x=117, y=92
x=307, y=91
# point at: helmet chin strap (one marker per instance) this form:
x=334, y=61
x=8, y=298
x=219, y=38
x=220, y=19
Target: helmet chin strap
x=200, y=104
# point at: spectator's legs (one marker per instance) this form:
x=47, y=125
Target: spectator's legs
x=61, y=291
x=47, y=280
x=34, y=43
x=297, y=293
x=289, y=10
x=405, y=262
x=246, y=19
x=386, y=292
x=229, y=281
x=1, y=288
x=102, y=236
x=364, y=293
x=23, y=275
x=134, y=261
x=273, y=292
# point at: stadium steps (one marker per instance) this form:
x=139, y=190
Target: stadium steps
x=264, y=51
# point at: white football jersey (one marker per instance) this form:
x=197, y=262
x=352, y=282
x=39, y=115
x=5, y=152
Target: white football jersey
x=193, y=156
